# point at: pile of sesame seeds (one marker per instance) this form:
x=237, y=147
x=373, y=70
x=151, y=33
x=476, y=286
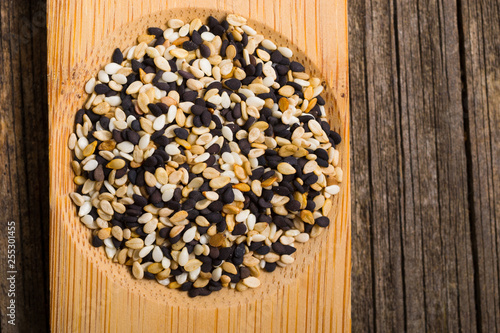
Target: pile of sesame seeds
x=203, y=155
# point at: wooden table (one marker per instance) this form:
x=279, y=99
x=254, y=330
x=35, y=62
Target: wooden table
x=425, y=114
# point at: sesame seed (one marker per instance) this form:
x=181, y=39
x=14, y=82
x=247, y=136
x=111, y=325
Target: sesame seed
x=203, y=156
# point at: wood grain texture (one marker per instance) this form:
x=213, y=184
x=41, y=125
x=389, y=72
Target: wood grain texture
x=24, y=162
x=481, y=98
x=89, y=293
x=470, y=228
x=425, y=118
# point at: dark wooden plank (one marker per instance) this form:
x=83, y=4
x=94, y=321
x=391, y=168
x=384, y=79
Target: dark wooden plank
x=409, y=169
x=376, y=153
x=437, y=247
x=24, y=166
x=362, y=301
x=480, y=24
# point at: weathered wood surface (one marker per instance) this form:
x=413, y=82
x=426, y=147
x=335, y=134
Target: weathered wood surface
x=425, y=133
x=425, y=117
x=24, y=162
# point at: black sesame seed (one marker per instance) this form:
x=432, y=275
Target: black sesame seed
x=239, y=229
x=263, y=250
x=205, y=51
x=197, y=110
x=322, y=221
x=181, y=133
x=189, y=96
x=189, y=45
x=157, y=32
x=270, y=266
x=97, y=242
x=233, y=84
x=336, y=137
x=296, y=67
x=117, y=56
x=101, y=88
x=155, y=109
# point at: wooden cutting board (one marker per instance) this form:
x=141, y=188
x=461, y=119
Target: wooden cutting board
x=89, y=293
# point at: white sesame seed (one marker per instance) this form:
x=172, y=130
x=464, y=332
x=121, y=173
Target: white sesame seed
x=193, y=275
x=167, y=33
x=110, y=252
x=103, y=76
x=150, y=239
x=202, y=158
x=172, y=149
x=90, y=165
x=227, y=133
x=189, y=235
x=172, y=111
x=225, y=100
x=228, y=157
x=169, y=77
x=248, y=30
x=184, y=30
x=165, y=262
x=181, y=278
x=268, y=44
x=318, y=90
x=119, y=78
x=130, y=53
x=126, y=146
x=87, y=219
x=302, y=237
x=145, y=251
x=175, y=23
x=237, y=158
x=285, y=51
x=173, y=37
x=109, y=187
x=287, y=259
x=332, y=189
x=203, y=239
x=162, y=63
x=159, y=122
x=216, y=99
x=205, y=66
x=89, y=87
x=85, y=209
x=167, y=195
x=216, y=274
x=251, y=220
x=134, y=87
x=183, y=257
x=112, y=68
x=207, y=36
x=247, y=92
x=108, y=242
x=238, y=195
x=145, y=218
x=113, y=100
x=157, y=254
x=83, y=142
x=144, y=141
x=242, y=216
x=303, y=83
x=255, y=101
x=152, y=52
x=164, y=282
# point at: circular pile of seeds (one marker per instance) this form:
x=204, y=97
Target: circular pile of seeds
x=203, y=155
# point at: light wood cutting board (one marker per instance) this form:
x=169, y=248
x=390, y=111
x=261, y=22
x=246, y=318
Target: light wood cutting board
x=89, y=293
